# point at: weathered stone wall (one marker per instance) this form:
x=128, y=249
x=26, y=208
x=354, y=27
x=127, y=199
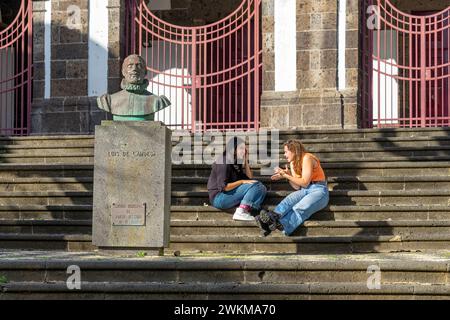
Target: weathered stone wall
x=70, y=110
x=69, y=49
x=316, y=103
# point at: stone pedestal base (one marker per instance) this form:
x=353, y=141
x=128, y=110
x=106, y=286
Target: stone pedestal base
x=136, y=252
x=132, y=186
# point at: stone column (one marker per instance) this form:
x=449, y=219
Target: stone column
x=116, y=39
x=350, y=100
x=274, y=105
x=38, y=49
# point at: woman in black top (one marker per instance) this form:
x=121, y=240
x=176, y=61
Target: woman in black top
x=231, y=183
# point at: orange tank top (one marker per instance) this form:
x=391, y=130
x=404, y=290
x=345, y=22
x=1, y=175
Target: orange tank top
x=317, y=174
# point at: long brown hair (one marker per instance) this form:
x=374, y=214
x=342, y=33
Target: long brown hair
x=296, y=147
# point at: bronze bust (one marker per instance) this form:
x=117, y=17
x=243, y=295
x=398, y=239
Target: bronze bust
x=133, y=102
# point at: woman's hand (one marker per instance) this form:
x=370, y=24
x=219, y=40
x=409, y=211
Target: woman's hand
x=276, y=177
x=282, y=172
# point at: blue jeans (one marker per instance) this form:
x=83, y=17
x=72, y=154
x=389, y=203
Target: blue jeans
x=247, y=194
x=300, y=205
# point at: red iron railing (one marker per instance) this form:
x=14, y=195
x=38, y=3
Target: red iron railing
x=211, y=73
x=15, y=73
x=405, y=67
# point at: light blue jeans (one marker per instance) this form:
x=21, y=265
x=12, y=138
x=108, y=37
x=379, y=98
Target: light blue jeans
x=300, y=205
x=247, y=194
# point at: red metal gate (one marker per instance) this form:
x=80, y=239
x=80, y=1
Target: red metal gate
x=405, y=67
x=211, y=73
x=15, y=73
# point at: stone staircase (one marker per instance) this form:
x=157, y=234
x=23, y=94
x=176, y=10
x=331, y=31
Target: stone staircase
x=389, y=193
x=43, y=275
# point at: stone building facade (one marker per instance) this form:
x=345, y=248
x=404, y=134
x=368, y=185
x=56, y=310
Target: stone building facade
x=321, y=93
x=318, y=102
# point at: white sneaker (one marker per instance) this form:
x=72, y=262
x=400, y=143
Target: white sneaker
x=242, y=215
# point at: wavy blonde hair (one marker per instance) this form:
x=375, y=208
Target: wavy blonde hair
x=296, y=147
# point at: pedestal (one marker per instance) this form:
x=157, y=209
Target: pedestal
x=132, y=186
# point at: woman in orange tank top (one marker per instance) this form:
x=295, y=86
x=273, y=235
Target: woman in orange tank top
x=307, y=177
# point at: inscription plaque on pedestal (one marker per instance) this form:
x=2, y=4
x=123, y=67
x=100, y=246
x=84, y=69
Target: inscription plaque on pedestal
x=132, y=185
x=128, y=215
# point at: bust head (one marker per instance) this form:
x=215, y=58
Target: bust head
x=134, y=100
x=134, y=69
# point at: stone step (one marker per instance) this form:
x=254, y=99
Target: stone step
x=365, y=133
x=307, y=138
x=334, y=183
x=21, y=170
x=207, y=213
x=321, y=141
x=6, y=150
x=32, y=266
x=46, y=212
x=280, y=244
x=388, y=133
x=66, y=242
x=331, y=213
x=68, y=158
x=284, y=135
x=323, y=144
x=50, y=142
x=53, y=226
x=46, y=184
x=239, y=228
x=200, y=183
x=323, y=148
x=47, y=141
x=312, y=228
x=275, y=243
x=347, y=133
x=45, y=198
x=88, y=159
x=343, y=155
x=337, y=197
x=333, y=169
x=222, y=291
x=397, y=154
x=339, y=169
x=404, y=275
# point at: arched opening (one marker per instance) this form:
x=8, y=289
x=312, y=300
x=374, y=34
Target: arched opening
x=15, y=66
x=8, y=12
x=411, y=6
x=194, y=12
x=210, y=69
x=405, y=63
